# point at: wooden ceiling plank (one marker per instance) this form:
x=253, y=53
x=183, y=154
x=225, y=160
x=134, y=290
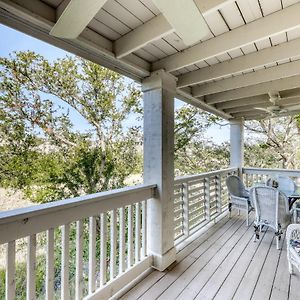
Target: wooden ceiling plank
x=273, y=24
x=242, y=63
x=264, y=75
x=156, y=29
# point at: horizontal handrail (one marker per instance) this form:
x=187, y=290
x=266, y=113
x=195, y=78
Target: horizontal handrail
x=21, y=222
x=266, y=171
x=182, y=179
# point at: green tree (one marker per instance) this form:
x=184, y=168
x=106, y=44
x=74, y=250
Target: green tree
x=42, y=152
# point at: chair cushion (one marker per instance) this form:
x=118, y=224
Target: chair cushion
x=295, y=244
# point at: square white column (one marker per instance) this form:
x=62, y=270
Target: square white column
x=159, y=91
x=237, y=143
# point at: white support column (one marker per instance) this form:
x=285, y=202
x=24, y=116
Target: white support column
x=159, y=91
x=237, y=144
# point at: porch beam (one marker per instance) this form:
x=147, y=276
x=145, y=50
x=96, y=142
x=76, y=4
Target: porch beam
x=36, y=18
x=263, y=75
x=241, y=64
x=159, y=91
x=157, y=28
x=259, y=89
x=268, y=26
x=286, y=102
x=73, y=17
x=200, y=103
x=242, y=102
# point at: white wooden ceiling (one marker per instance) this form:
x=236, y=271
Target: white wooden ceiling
x=253, y=48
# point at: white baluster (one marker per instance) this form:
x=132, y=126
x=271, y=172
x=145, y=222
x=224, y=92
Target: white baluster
x=144, y=228
x=10, y=289
x=50, y=265
x=31, y=267
x=137, y=240
x=130, y=237
x=65, y=255
x=92, y=254
x=103, y=248
x=122, y=241
x=79, y=261
x=113, y=244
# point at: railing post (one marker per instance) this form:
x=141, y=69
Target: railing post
x=218, y=193
x=185, y=200
x=207, y=198
x=159, y=92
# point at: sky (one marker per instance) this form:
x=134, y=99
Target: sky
x=17, y=41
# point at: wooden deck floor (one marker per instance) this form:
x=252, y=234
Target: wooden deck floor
x=224, y=263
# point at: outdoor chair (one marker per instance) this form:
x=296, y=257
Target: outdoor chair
x=293, y=246
x=271, y=210
x=285, y=184
x=239, y=196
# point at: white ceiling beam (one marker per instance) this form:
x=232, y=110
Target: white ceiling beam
x=150, y=31
x=74, y=16
x=263, y=75
x=259, y=89
x=208, y=6
x=188, y=98
x=242, y=102
x=268, y=26
x=263, y=103
x=241, y=64
x=157, y=28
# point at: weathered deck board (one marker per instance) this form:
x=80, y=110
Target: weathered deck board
x=224, y=263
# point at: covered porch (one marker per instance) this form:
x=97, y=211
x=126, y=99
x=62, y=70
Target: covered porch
x=170, y=237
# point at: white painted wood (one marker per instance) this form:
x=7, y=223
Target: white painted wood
x=159, y=92
x=31, y=268
x=186, y=207
x=237, y=144
x=50, y=265
x=65, y=257
x=103, y=249
x=113, y=245
x=137, y=239
x=79, y=261
x=152, y=30
x=188, y=98
x=144, y=229
x=206, y=182
x=121, y=281
x=273, y=24
x=157, y=28
x=271, y=172
x=209, y=6
x=122, y=242
x=257, y=77
x=21, y=222
x=200, y=177
x=10, y=275
x=259, y=89
x=74, y=16
x=92, y=255
x=130, y=249
x=241, y=64
x=181, y=15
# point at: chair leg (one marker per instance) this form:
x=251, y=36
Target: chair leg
x=247, y=219
x=277, y=242
x=229, y=208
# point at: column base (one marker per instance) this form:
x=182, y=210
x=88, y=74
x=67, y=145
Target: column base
x=161, y=262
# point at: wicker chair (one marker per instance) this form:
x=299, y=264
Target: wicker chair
x=285, y=184
x=293, y=246
x=239, y=196
x=271, y=209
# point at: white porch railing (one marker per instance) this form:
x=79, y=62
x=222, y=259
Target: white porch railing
x=198, y=199
x=87, y=247
x=256, y=175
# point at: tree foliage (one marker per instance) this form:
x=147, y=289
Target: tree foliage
x=41, y=150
